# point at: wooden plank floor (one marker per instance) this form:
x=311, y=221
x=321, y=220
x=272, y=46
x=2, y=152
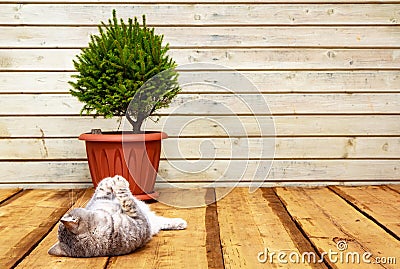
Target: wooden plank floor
x=328, y=227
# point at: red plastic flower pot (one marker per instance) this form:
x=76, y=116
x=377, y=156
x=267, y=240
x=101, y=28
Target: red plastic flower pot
x=136, y=157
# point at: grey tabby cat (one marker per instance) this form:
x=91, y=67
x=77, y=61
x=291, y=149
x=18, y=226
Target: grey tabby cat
x=113, y=223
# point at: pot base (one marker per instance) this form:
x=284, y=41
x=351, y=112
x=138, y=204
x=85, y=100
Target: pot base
x=147, y=196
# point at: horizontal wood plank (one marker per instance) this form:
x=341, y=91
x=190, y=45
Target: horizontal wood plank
x=219, y=171
x=212, y=126
x=221, y=104
x=281, y=148
x=241, y=59
x=328, y=69
x=327, y=219
x=78, y=37
x=378, y=202
x=264, y=81
x=219, y=148
x=287, y=170
x=21, y=228
x=199, y=1
x=215, y=14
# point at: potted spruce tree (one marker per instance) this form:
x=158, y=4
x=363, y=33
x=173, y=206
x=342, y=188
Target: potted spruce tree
x=125, y=71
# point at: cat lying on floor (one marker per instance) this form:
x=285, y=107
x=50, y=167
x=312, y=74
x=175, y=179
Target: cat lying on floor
x=113, y=223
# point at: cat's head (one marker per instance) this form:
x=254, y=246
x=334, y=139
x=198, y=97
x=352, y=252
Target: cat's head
x=76, y=221
x=72, y=224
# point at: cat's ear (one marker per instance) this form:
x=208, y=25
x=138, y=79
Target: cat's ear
x=70, y=222
x=56, y=250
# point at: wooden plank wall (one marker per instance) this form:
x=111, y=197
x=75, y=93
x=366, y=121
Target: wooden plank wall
x=329, y=70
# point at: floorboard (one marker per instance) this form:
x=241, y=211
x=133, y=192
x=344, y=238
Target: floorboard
x=7, y=193
x=270, y=228
x=249, y=225
x=378, y=202
x=26, y=220
x=330, y=222
x=173, y=249
x=39, y=258
x=395, y=187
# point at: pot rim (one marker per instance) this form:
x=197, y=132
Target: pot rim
x=123, y=137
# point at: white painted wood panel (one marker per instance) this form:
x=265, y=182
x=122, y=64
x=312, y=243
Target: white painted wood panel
x=202, y=1
x=253, y=59
x=328, y=69
x=199, y=14
x=285, y=170
x=215, y=126
x=280, y=170
x=220, y=104
x=219, y=148
x=334, y=36
x=264, y=81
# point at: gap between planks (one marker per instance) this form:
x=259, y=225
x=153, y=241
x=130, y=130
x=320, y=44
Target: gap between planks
x=378, y=203
x=6, y=194
x=24, y=231
x=253, y=222
x=205, y=226
x=326, y=219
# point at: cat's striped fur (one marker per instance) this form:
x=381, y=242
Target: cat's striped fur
x=113, y=223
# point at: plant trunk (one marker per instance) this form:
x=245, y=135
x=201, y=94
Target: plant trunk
x=138, y=125
x=136, y=128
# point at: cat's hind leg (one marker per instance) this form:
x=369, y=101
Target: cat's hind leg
x=122, y=192
x=131, y=205
x=103, y=191
x=163, y=223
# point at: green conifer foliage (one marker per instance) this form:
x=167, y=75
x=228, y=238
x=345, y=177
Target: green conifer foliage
x=121, y=63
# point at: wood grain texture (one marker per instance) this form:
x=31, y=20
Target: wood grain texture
x=395, y=188
x=220, y=104
x=326, y=219
x=210, y=126
x=216, y=14
x=172, y=249
x=39, y=258
x=21, y=228
x=215, y=258
x=278, y=148
x=248, y=225
x=78, y=37
x=219, y=148
x=240, y=59
x=286, y=170
x=378, y=202
x=301, y=220
x=264, y=82
x=7, y=193
x=301, y=242
x=328, y=70
x=218, y=171
x=202, y=1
